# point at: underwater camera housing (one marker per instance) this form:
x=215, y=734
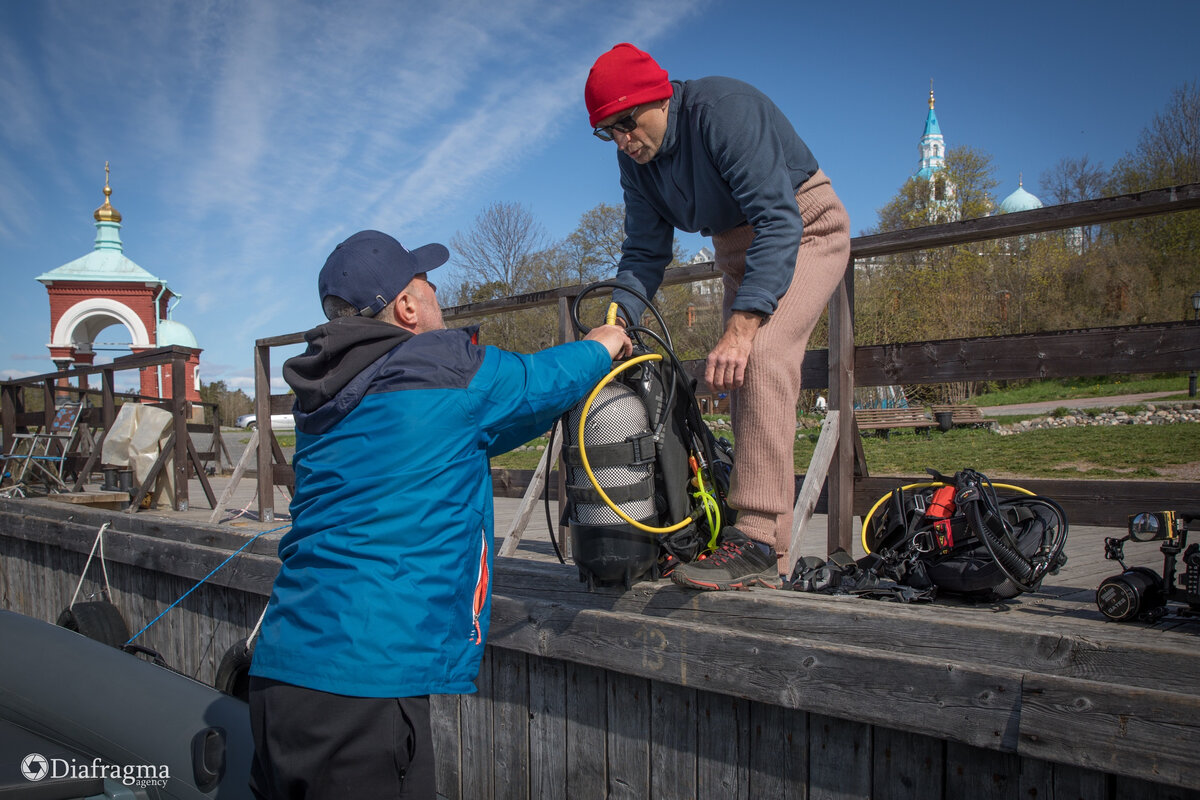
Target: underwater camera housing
x=1140, y=592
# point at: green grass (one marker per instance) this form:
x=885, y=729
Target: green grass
x=1065, y=389
x=1126, y=451
x=285, y=439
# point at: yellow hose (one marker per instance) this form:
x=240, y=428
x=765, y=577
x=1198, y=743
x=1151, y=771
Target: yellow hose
x=931, y=485
x=583, y=453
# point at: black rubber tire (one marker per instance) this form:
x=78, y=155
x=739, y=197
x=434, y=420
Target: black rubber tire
x=233, y=674
x=98, y=620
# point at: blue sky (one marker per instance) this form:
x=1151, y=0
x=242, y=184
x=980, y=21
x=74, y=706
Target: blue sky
x=248, y=138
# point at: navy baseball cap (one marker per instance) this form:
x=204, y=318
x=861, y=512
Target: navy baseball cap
x=370, y=268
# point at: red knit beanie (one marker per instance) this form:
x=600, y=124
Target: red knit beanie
x=622, y=78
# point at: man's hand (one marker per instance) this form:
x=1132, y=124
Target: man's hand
x=725, y=368
x=614, y=339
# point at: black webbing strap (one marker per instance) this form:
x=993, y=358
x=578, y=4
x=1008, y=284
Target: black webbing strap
x=587, y=495
x=634, y=451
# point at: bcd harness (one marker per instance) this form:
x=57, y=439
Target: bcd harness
x=954, y=535
x=646, y=479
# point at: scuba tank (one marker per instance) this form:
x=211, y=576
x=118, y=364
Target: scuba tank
x=620, y=449
x=633, y=454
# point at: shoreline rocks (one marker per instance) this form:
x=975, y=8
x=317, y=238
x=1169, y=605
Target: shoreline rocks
x=1151, y=414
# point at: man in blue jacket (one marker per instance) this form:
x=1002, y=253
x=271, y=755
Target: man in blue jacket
x=383, y=596
x=716, y=155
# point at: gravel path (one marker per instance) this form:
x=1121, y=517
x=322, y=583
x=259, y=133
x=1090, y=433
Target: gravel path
x=1082, y=402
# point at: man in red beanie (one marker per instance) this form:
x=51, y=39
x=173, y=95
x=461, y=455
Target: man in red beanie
x=715, y=155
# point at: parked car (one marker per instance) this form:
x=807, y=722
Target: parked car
x=278, y=421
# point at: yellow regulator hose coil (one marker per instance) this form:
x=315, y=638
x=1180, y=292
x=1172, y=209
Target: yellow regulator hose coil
x=583, y=450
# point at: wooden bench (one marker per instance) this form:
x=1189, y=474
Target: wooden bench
x=884, y=419
x=963, y=415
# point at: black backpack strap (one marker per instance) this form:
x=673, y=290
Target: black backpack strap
x=587, y=495
x=634, y=451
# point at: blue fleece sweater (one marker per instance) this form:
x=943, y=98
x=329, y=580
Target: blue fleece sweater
x=729, y=157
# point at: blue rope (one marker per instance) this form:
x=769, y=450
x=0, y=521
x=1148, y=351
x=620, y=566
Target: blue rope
x=232, y=556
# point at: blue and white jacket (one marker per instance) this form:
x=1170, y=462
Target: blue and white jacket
x=384, y=586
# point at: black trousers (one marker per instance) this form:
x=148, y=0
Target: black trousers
x=312, y=745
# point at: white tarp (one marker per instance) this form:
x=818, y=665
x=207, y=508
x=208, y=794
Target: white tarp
x=136, y=437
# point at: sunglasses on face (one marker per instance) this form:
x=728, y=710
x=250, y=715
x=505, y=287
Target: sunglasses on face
x=626, y=124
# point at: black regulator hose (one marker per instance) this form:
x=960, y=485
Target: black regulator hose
x=1012, y=562
x=611, y=284
x=1002, y=545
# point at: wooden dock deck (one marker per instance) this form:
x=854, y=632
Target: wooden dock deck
x=665, y=692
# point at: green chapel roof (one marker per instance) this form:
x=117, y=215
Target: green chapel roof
x=107, y=261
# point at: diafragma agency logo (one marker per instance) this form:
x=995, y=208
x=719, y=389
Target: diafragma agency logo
x=36, y=767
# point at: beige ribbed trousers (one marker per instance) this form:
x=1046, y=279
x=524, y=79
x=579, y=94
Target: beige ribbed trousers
x=764, y=408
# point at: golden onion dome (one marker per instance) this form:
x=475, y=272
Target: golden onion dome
x=106, y=213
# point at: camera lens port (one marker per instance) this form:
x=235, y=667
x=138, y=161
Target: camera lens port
x=1131, y=594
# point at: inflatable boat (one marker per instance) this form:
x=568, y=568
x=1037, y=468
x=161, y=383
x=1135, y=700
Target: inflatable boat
x=80, y=720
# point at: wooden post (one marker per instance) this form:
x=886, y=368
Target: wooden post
x=243, y=462
x=529, y=501
x=218, y=442
x=108, y=405
x=262, y=411
x=48, y=403
x=841, y=398
x=814, y=478
x=179, y=412
x=566, y=333
x=8, y=414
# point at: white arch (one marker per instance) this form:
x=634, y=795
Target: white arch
x=98, y=307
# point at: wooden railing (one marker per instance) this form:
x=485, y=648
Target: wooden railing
x=1167, y=347
x=73, y=383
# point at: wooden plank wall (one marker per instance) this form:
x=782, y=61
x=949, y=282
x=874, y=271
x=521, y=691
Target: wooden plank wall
x=38, y=580
x=541, y=727
x=41, y=566
x=658, y=692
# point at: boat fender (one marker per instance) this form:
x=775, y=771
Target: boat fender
x=98, y=620
x=233, y=674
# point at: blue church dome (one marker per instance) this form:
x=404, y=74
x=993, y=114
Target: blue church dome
x=1020, y=200
x=171, y=332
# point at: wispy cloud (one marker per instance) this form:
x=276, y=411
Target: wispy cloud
x=247, y=139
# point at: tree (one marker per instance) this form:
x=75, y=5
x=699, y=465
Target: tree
x=1168, y=150
x=1166, y=246
x=496, y=251
x=594, y=247
x=504, y=255
x=967, y=182
x=231, y=405
x=495, y=260
x=1074, y=179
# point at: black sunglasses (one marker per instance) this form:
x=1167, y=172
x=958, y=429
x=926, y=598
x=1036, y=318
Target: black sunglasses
x=626, y=124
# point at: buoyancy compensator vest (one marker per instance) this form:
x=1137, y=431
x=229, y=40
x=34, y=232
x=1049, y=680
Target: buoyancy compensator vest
x=646, y=479
x=954, y=535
